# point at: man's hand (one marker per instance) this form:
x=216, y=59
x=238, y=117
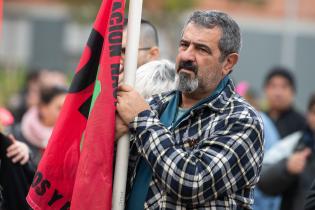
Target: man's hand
x=18, y=151
x=130, y=103
x=121, y=127
x=297, y=161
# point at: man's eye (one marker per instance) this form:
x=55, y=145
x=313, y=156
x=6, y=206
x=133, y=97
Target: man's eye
x=203, y=50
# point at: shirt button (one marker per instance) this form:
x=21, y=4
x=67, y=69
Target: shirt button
x=192, y=142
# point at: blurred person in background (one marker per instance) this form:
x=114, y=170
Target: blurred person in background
x=289, y=166
x=155, y=77
x=148, y=45
x=271, y=137
x=18, y=152
x=36, y=79
x=49, y=78
x=15, y=174
x=6, y=118
x=29, y=95
x=37, y=123
x=280, y=90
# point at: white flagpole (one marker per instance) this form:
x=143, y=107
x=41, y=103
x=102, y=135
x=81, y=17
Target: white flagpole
x=122, y=155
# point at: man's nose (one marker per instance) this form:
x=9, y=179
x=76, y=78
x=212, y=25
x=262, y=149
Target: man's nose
x=188, y=54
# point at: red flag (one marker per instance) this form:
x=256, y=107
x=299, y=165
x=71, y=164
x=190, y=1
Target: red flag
x=53, y=184
x=93, y=185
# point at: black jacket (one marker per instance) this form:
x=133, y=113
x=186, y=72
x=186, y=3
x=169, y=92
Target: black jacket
x=15, y=179
x=289, y=122
x=276, y=180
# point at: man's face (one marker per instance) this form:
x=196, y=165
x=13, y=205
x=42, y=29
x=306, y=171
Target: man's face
x=279, y=93
x=198, y=62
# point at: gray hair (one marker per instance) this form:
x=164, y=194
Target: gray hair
x=155, y=77
x=230, y=41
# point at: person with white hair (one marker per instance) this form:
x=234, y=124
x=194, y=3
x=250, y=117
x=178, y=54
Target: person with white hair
x=155, y=77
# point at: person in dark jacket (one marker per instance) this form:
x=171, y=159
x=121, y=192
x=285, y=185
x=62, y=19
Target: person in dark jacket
x=16, y=173
x=289, y=167
x=38, y=122
x=279, y=87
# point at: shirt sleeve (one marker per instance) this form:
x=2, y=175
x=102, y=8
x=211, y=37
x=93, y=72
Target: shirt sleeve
x=219, y=165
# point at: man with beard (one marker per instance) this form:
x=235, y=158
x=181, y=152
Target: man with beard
x=200, y=146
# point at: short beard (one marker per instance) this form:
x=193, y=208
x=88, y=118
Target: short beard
x=185, y=84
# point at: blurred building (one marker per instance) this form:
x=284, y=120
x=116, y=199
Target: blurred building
x=41, y=33
x=275, y=32
x=275, y=9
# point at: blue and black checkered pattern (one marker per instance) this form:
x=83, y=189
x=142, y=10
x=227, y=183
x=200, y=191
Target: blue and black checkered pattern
x=210, y=160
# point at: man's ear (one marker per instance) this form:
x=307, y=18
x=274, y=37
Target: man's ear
x=229, y=63
x=154, y=53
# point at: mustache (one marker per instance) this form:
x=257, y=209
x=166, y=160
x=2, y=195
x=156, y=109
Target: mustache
x=189, y=65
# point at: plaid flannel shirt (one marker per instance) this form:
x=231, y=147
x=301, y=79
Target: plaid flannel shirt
x=210, y=160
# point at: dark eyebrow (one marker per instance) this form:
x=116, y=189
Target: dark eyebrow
x=184, y=40
x=197, y=45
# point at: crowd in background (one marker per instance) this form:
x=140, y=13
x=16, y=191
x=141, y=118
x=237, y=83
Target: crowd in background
x=289, y=163
x=29, y=124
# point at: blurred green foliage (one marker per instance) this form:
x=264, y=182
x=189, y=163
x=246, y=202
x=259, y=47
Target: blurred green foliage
x=178, y=5
x=83, y=11
x=11, y=81
x=86, y=10
x=171, y=5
